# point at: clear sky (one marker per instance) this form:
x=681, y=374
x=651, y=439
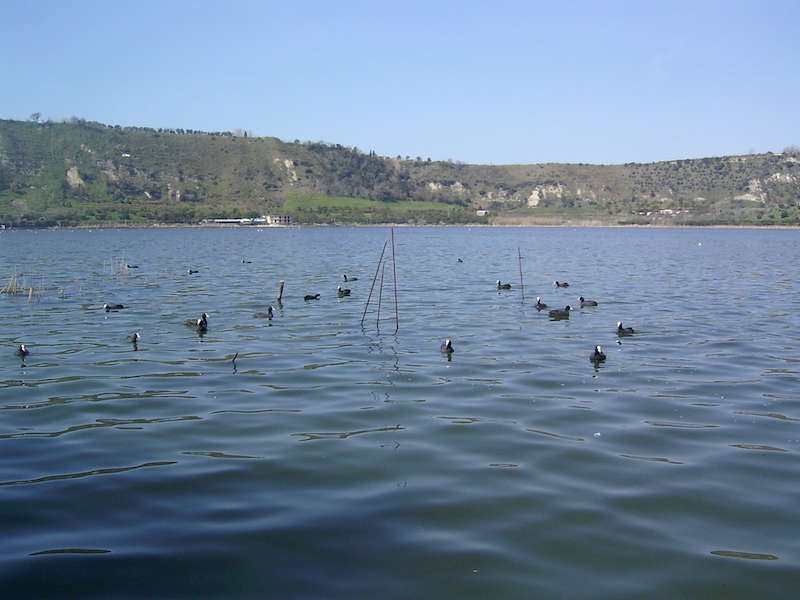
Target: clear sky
x=490, y=82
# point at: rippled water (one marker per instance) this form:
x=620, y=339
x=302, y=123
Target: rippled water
x=316, y=456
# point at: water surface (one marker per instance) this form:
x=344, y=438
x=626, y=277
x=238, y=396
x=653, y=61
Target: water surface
x=334, y=452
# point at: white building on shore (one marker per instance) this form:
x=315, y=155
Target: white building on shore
x=269, y=220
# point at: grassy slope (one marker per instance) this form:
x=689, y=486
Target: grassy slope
x=147, y=176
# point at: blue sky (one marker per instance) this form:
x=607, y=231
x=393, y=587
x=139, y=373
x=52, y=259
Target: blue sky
x=494, y=82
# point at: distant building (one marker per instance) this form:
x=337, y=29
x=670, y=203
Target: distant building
x=233, y=221
x=283, y=220
x=271, y=220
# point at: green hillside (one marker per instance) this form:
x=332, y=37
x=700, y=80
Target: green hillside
x=85, y=173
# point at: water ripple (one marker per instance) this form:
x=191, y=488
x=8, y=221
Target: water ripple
x=501, y=472
x=70, y=551
x=111, y=471
x=343, y=435
x=99, y=423
x=556, y=435
x=758, y=447
x=745, y=555
x=652, y=459
x=768, y=415
x=220, y=455
x=680, y=425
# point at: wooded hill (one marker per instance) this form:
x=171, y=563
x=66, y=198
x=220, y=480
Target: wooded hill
x=87, y=173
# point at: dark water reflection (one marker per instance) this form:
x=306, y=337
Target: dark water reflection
x=316, y=456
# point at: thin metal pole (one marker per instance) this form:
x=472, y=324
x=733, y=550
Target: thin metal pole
x=374, y=278
x=521, y=284
x=394, y=278
x=380, y=296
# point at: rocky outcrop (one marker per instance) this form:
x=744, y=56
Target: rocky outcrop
x=74, y=179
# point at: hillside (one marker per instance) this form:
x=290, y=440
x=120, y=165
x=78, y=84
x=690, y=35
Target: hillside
x=82, y=172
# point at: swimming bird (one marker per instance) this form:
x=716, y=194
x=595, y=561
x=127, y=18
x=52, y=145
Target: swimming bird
x=598, y=355
x=539, y=304
x=346, y=278
x=585, y=302
x=342, y=292
x=559, y=284
x=624, y=330
x=447, y=347
x=201, y=324
x=266, y=315
x=21, y=351
x=311, y=297
x=503, y=286
x=192, y=271
x=131, y=266
x=110, y=307
x=132, y=339
x=247, y=262
x=557, y=313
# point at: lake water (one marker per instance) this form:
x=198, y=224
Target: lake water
x=318, y=456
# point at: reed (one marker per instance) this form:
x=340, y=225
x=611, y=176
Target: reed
x=122, y=266
x=12, y=286
x=116, y=266
x=75, y=286
x=19, y=285
x=81, y=284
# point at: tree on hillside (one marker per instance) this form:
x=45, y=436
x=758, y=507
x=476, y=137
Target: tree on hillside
x=36, y=116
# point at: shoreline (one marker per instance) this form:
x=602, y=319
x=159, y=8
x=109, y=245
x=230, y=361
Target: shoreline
x=588, y=224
